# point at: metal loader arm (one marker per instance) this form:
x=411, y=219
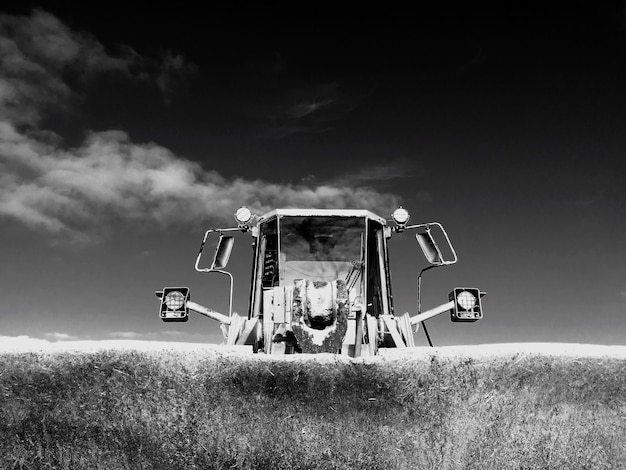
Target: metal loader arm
x=207, y=312
x=433, y=312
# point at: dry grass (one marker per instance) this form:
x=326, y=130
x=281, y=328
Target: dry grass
x=182, y=410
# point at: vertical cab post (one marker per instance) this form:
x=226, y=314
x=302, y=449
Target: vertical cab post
x=258, y=277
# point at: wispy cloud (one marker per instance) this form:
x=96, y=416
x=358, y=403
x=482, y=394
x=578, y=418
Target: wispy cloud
x=388, y=175
x=166, y=335
x=126, y=335
x=109, y=178
x=284, y=103
x=315, y=103
x=394, y=170
x=297, y=108
x=174, y=72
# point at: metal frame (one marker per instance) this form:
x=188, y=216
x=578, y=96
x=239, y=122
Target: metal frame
x=420, y=318
x=221, y=231
x=445, y=234
x=322, y=213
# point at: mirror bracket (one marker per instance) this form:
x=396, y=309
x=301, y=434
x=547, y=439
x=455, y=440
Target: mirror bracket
x=220, y=259
x=433, y=255
x=221, y=232
x=429, y=246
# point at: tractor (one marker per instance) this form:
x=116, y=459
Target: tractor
x=321, y=283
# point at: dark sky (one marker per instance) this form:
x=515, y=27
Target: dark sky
x=127, y=132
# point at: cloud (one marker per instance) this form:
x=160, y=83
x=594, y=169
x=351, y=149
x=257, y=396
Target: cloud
x=37, y=54
x=173, y=74
x=108, y=178
x=43, y=61
x=56, y=336
x=22, y=342
x=111, y=178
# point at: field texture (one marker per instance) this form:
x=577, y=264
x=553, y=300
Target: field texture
x=430, y=409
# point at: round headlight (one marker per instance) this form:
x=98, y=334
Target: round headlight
x=400, y=216
x=243, y=215
x=174, y=300
x=466, y=300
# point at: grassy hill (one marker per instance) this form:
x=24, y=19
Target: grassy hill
x=433, y=408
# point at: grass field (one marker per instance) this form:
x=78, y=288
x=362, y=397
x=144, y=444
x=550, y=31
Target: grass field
x=432, y=409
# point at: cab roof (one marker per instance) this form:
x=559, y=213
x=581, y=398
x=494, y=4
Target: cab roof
x=323, y=213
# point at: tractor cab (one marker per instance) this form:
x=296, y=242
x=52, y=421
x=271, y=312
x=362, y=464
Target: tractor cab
x=318, y=273
x=321, y=282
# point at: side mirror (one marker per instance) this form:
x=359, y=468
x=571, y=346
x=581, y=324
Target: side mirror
x=222, y=252
x=431, y=249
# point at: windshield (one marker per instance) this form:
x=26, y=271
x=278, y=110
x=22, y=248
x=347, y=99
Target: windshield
x=320, y=248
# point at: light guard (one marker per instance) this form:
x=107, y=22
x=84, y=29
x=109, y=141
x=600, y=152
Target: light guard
x=174, y=304
x=467, y=304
